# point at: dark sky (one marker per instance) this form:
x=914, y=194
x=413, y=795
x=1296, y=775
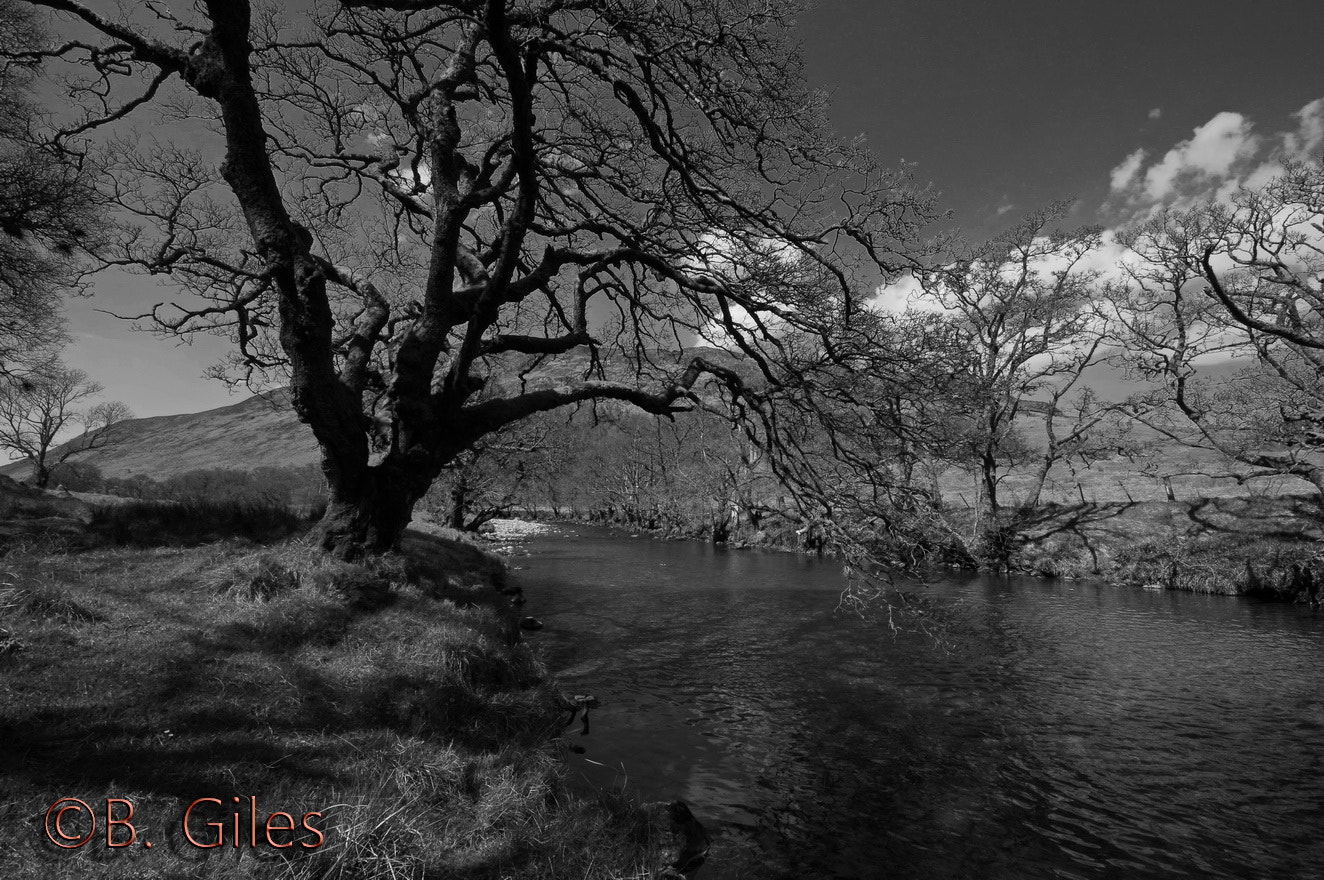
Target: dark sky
x=1003, y=105
x=1022, y=101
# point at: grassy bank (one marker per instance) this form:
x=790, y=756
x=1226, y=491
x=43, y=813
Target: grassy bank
x=1266, y=546
x=395, y=698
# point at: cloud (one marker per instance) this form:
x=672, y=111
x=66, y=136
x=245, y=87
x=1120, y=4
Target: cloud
x=1221, y=156
x=1210, y=153
x=1308, y=139
x=900, y=294
x=1126, y=172
x=1007, y=206
x=1156, y=113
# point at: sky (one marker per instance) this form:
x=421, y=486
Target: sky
x=1003, y=107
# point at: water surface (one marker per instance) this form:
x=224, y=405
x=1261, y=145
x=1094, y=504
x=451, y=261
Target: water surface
x=1066, y=729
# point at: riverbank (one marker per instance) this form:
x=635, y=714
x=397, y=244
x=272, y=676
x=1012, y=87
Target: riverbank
x=1264, y=546
x=1267, y=546
x=393, y=704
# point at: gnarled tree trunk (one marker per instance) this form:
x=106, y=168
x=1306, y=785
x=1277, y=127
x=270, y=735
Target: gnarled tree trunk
x=368, y=515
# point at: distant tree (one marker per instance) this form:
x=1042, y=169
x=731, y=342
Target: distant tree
x=1019, y=327
x=489, y=479
x=47, y=211
x=422, y=199
x=36, y=411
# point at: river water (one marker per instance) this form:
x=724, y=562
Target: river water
x=1058, y=729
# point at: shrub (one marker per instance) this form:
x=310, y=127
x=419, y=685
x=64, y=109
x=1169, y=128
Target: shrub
x=194, y=521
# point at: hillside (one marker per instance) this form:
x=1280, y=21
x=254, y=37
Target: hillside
x=263, y=431
x=257, y=432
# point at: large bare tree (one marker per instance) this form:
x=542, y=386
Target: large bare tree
x=419, y=199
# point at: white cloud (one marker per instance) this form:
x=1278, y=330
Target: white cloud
x=1156, y=113
x=1308, y=139
x=1210, y=153
x=725, y=258
x=1126, y=172
x=898, y=295
x=1221, y=156
x=1108, y=257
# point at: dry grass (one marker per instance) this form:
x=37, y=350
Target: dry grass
x=419, y=724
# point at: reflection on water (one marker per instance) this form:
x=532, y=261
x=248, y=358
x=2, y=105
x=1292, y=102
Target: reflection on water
x=1072, y=730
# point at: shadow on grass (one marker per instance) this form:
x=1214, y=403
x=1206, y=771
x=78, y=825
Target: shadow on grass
x=172, y=684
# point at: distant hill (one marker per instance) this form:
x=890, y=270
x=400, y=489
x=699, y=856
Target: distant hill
x=263, y=430
x=260, y=431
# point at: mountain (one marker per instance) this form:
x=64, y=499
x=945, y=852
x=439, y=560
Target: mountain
x=260, y=431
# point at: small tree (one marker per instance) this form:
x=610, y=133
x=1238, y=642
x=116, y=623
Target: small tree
x=35, y=412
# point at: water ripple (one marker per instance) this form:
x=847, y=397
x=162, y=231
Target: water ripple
x=1068, y=730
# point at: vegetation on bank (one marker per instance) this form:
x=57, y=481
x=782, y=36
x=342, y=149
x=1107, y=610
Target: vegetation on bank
x=395, y=697
x=1263, y=546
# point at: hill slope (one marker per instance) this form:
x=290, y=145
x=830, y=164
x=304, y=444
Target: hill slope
x=260, y=431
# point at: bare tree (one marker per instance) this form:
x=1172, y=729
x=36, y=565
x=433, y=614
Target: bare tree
x=440, y=195
x=1018, y=328
x=1235, y=280
x=34, y=413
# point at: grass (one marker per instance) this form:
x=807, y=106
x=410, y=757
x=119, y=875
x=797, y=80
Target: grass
x=418, y=723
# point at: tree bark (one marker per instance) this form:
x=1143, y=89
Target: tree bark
x=369, y=516
x=989, y=473
x=1037, y=484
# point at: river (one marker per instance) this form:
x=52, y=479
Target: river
x=1063, y=729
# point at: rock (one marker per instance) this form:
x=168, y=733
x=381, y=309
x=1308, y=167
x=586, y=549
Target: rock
x=530, y=623
x=692, y=841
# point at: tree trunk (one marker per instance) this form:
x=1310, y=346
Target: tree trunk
x=459, y=499
x=1037, y=484
x=41, y=475
x=989, y=468
x=371, y=520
